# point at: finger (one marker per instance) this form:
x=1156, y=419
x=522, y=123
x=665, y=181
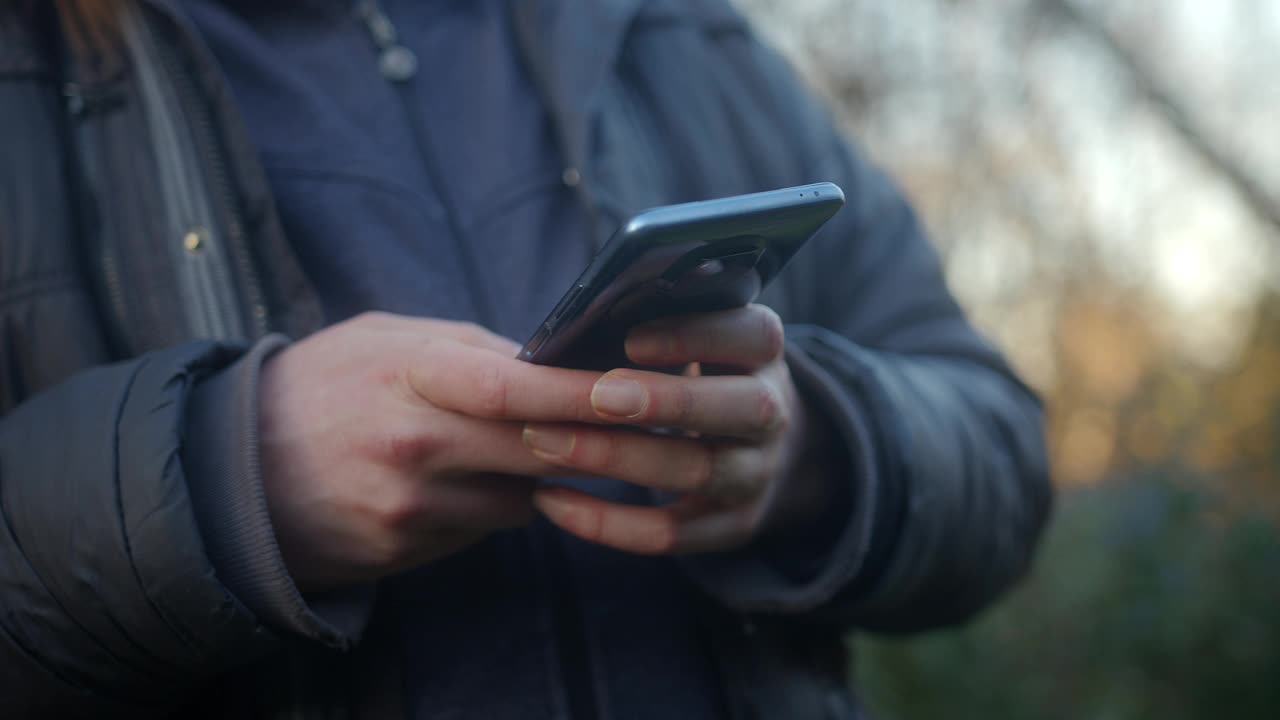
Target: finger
x=488, y=501
x=435, y=519
x=676, y=464
x=736, y=406
x=688, y=525
x=749, y=337
x=447, y=443
x=476, y=445
x=460, y=378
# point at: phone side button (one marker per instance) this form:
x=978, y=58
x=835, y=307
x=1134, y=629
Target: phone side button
x=566, y=303
x=535, y=343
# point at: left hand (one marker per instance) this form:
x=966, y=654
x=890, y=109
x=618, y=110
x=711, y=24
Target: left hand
x=741, y=437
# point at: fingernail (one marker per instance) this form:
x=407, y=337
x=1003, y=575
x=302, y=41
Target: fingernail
x=558, y=443
x=647, y=344
x=618, y=397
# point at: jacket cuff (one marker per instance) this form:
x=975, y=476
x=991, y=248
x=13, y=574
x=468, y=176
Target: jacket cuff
x=220, y=457
x=799, y=575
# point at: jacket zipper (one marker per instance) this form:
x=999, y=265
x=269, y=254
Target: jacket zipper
x=83, y=105
x=210, y=149
x=203, y=262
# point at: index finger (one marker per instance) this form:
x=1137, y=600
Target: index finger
x=485, y=385
x=747, y=337
x=471, y=381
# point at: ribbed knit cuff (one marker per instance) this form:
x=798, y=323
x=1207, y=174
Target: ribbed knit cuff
x=752, y=580
x=220, y=457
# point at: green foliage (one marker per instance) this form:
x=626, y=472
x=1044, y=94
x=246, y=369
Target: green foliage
x=1149, y=600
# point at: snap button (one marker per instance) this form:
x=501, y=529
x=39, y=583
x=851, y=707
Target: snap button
x=571, y=177
x=193, y=240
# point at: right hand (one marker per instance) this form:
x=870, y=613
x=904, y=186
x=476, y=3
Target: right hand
x=364, y=475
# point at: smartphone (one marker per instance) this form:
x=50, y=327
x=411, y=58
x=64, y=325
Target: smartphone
x=674, y=260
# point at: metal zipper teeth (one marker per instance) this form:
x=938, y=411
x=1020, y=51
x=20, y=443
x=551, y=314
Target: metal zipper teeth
x=115, y=292
x=110, y=260
x=222, y=192
x=210, y=307
x=81, y=123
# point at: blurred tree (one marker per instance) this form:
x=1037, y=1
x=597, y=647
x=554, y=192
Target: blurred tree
x=1081, y=166
x=1145, y=605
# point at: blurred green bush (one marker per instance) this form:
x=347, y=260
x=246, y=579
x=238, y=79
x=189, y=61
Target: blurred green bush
x=1150, y=599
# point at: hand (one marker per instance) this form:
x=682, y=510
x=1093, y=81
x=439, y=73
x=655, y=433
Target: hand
x=386, y=442
x=741, y=445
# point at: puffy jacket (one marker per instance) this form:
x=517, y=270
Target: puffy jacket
x=125, y=587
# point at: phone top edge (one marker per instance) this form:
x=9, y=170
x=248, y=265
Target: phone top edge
x=814, y=194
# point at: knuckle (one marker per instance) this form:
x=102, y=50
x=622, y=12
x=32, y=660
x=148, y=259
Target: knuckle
x=679, y=342
x=683, y=403
x=589, y=523
x=470, y=332
x=402, y=508
x=491, y=391
x=602, y=450
x=769, y=413
x=771, y=330
x=662, y=538
x=703, y=473
x=397, y=516
x=408, y=448
x=414, y=383
x=395, y=376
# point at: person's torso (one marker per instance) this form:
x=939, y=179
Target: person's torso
x=485, y=633
x=439, y=190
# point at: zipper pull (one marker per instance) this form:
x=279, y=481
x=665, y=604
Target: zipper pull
x=395, y=61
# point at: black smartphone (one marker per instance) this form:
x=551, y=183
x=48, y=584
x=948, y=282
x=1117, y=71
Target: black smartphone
x=678, y=259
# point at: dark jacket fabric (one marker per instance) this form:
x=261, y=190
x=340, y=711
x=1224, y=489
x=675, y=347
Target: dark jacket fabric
x=141, y=258
x=442, y=194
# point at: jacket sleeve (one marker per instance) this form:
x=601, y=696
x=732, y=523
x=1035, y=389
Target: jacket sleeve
x=945, y=485
x=109, y=600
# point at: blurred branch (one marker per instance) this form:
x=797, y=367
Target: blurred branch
x=1250, y=190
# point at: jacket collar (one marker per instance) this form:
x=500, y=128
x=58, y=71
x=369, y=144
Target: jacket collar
x=570, y=48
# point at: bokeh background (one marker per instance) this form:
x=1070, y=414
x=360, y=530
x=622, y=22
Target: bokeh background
x=1102, y=180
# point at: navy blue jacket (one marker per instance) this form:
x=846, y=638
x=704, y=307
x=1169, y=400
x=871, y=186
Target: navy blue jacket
x=137, y=567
